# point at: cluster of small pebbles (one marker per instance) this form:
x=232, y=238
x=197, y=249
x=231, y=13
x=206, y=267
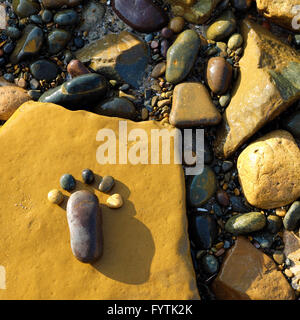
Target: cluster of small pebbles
x=68, y=183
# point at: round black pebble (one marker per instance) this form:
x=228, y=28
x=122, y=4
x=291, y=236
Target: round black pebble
x=79, y=43
x=67, y=182
x=88, y=176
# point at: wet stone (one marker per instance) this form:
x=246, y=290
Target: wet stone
x=77, y=68
x=44, y=70
x=122, y=57
x=28, y=45
x=222, y=198
x=219, y=75
x=88, y=176
x=181, y=56
x=143, y=15
x=235, y=41
x=37, y=19
x=67, y=182
x=265, y=239
x=176, y=24
x=210, y=264
x=106, y=184
x=245, y=223
x=56, y=4
x=201, y=187
x=222, y=27
x=47, y=16
x=274, y=223
x=13, y=32
x=57, y=40
x=203, y=231
x=85, y=224
x=291, y=220
x=80, y=91
x=116, y=107
x=25, y=8
x=67, y=17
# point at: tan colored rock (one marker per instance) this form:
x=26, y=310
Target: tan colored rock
x=261, y=95
x=194, y=11
x=269, y=170
x=192, y=106
x=292, y=252
x=3, y=18
x=11, y=97
x=249, y=274
x=281, y=12
x=146, y=251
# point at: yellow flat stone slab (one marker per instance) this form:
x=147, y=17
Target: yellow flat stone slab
x=146, y=247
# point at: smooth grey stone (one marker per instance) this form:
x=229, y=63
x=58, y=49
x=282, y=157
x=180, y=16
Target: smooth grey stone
x=291, y=220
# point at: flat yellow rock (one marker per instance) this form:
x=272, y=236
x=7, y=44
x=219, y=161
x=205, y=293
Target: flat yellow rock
x=146, y=247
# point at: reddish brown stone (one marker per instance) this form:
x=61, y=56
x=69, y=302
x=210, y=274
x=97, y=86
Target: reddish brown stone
x=219, y=74
x=249, y=274
x=77, y=68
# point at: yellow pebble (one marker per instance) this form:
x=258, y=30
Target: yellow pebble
x=288, y=273
x=225, y=186
x=220, y=245
x=115, y=201
x=55, y=196
x=280, y=212
x=236, y=191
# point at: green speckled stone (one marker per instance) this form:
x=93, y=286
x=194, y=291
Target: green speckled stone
x=202, y=187
x=57, y=40
x=245, y=223
x=79, y=92
x=29, y=44
x=182, y=55
x=66, y=17
x=222, y=27
x=25, y=8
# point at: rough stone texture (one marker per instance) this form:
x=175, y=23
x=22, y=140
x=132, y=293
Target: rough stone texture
x=261, y=95
x=279, y=11
x=198, y=111
x=121, y=56
x=3, y=18
x=249, y=274
x=292, y=252
x=146, y=252
x=194, y=11
x=269, y=170
x=11, y=97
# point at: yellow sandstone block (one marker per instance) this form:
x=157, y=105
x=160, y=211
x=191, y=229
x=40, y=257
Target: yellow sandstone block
x=146, y=248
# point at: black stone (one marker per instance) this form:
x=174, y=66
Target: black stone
x=67, y=17
x=67, y=182
x=203, y=230
x=88, y=176
x=44, y=70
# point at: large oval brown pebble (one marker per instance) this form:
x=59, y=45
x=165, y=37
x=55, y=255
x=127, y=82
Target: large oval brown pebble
x=85, y=224
x=219, y=74
x=141, y=15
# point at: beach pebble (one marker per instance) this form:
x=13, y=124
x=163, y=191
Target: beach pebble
x=115, y=201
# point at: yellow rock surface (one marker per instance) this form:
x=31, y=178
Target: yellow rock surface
x=146, y=248
x=269, y=170
x=249, y=274
x=279, y=11
x=264, y=93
